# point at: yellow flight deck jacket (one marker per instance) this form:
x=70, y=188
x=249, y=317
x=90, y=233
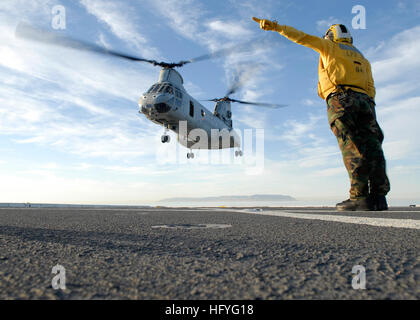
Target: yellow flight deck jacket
x=340, y=63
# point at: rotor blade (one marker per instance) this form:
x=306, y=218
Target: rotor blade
x=236, y=84
x=241, y=47
x=28, y=32
x=213, y=100
x=243, y=73
x=261, y=104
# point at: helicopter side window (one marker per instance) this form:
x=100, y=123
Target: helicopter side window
x=191, y=109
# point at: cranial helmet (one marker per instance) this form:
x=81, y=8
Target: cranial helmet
x=339, y=33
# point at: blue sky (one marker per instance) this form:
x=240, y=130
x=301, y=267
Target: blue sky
x=69, y=124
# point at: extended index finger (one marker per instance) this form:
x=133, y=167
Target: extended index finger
x=256, y=19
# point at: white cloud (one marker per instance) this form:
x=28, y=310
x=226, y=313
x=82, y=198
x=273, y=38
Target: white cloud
x=103, y=42
x=395, y=71
x=187, y=18
x=41, y=186
x=120, y=20
x=329, y=172
x=313, y=162
x=250, y=117
x=229, y=29
x=309, y=102
x=74, y=102
x=409, y=6
x=297, y=132
x=389, y=92
x=323, y=25
x=183, y=16
x=397, y=150
x=399, y=59
x=23, y=9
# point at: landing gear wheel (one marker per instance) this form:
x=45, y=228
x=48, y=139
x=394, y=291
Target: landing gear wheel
x=165, y=138
x=238, y=153
x=190, y=155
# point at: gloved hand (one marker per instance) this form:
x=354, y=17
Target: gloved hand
x=266, y=24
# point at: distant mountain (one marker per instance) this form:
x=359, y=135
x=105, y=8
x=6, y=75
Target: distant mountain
x=255, y=197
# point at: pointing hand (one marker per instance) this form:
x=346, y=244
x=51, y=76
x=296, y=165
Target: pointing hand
x=266, y=24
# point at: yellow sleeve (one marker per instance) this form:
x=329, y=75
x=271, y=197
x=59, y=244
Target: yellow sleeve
x=371, y=83
x=316, y=43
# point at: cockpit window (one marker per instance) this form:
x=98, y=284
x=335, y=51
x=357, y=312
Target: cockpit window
x=166, y=88
x=153, y=88
x=161, y=88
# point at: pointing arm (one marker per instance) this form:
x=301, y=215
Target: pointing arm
x=316, y=43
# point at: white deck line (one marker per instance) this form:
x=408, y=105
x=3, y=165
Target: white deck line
x=371, y=221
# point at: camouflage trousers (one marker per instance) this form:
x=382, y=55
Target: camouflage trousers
x=352, y=119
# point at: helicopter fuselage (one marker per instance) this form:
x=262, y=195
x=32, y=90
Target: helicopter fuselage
x=167, y=103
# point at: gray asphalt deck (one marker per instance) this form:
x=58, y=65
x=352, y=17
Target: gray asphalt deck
x=124, y=254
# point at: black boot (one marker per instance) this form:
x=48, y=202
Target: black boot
x=353, y=205
x=378, y=203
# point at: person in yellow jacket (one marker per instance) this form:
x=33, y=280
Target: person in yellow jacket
x=347, y=86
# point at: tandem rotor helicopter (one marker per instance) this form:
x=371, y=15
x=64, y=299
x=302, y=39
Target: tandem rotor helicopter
x=167, y=103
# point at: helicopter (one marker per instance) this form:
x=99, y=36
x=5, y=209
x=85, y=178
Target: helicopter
x=167, y=103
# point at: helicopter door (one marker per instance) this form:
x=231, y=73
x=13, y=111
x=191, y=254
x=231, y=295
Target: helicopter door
x=191, y=109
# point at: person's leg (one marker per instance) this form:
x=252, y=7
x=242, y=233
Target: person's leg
x=353, y=159
x=342, y=115
x=378, y=180
x=360, y=139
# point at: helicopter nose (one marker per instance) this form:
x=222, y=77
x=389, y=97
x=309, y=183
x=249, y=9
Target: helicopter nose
x=146, y=109
x=162, y=104
x=162, y=107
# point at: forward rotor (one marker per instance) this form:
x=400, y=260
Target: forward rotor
x=28, y=32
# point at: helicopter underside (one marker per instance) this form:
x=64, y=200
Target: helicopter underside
x=200, y=138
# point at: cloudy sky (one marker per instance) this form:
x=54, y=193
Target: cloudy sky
x=69, y=124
